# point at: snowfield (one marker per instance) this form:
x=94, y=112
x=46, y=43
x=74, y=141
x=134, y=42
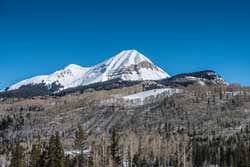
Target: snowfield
x=139, y=98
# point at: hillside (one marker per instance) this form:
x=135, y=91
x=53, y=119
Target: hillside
x=195, y=111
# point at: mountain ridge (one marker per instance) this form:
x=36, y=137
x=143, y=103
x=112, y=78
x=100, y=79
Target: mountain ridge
x=62, y=77
x=127, y=68
x=128, y=65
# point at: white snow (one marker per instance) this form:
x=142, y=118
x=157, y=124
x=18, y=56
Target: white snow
x=154, y=92
x=128, y=65
x=120, y=66
x=76, y=152
x=63, y=77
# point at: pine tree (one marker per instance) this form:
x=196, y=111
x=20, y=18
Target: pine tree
x=144, y=163
x=17, y=156
x=55, y=152
x=51, y=152
x=157, y=162
x=44, y=158
x=59, y=150
x=129, y=158
x=136, y=160
x=114, y=148
x=35, y=155
x=80, y=138
x=67, y=161
x=80, y=141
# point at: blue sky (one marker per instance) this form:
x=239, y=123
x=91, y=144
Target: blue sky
x=41, y=36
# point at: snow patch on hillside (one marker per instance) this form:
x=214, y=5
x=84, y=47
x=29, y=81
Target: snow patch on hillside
x=154, y=94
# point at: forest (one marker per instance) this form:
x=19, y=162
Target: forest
x=201, y=126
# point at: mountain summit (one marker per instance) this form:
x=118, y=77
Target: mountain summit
x=128, y=65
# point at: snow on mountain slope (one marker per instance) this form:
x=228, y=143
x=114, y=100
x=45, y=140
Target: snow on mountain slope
x=128, y=65
x=154, y=92
x=64, y=78
x=139, y=98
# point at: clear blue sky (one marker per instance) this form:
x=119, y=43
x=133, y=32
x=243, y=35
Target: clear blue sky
x=41, y=36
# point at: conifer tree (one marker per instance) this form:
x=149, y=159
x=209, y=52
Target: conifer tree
x=136, y=160
x=129, y=158
x=43, y=162
x=35, y=155
x=80, y=141
x=115, y=149
x=55, y=152
x=17, y=156
x=67, y=161
x=59, y=150
x=80, y=138
x=157, y=162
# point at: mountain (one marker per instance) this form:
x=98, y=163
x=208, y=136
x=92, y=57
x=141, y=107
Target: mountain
x=127, y=68
x=207, y=77
x=128, y=65
x=63, y=78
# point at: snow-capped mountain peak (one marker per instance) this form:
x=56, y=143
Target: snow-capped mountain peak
x=73, y=71
x=63, y=77
x=129, y=65
x=126, y=58
x=73, y=67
